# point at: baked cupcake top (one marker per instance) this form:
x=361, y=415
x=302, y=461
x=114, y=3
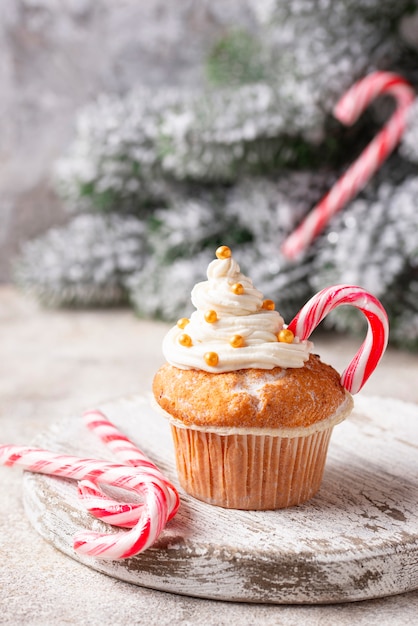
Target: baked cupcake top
x=233, y=327
x=295, y=401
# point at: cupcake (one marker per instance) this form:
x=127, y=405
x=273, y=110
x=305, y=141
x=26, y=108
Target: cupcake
x=251, y=407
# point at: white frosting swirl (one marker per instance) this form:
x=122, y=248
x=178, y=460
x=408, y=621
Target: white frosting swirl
x=238, y=314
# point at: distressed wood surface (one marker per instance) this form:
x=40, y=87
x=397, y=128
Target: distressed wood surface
x=357, y=539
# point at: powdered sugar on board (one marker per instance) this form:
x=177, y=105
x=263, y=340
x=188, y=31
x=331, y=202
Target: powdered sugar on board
x=357, y=539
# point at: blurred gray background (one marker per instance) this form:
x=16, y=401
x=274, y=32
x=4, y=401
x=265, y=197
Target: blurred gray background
x=56, y=55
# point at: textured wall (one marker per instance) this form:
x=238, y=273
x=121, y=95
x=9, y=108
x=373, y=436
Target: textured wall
x=56, y=55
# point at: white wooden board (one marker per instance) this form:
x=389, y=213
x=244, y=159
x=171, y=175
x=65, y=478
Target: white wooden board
x=357, y=539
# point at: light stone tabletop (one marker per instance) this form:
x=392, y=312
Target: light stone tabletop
x=55, y=364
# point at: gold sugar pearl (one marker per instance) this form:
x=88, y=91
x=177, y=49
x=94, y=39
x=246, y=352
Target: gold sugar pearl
x=211, y=316
x=237, y=341
x=185, y=340
x=285, y=336
x=237, y=289
x=223, y=252
x=182, y=322
x=268, y=305
x=211, y=359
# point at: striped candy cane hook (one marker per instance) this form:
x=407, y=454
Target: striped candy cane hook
x=94, y=499
x=347, y=111
x=373, y=347
x=146, y=520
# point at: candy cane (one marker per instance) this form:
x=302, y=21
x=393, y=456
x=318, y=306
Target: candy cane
x=122, y=447
x=347, y=110
x=146, y=483
x=146, y=519
x=98, y=503
x=373, y=347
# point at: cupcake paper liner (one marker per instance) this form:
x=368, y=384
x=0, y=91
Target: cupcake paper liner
x=247, y=471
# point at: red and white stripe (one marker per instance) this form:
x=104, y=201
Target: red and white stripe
x=107, y=509
x=95, y=500
x=373, y=347
x=122, y=447
x=158, y=497
x=347, y=110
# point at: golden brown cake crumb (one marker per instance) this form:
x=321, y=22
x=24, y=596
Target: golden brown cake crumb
x=250, y=398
